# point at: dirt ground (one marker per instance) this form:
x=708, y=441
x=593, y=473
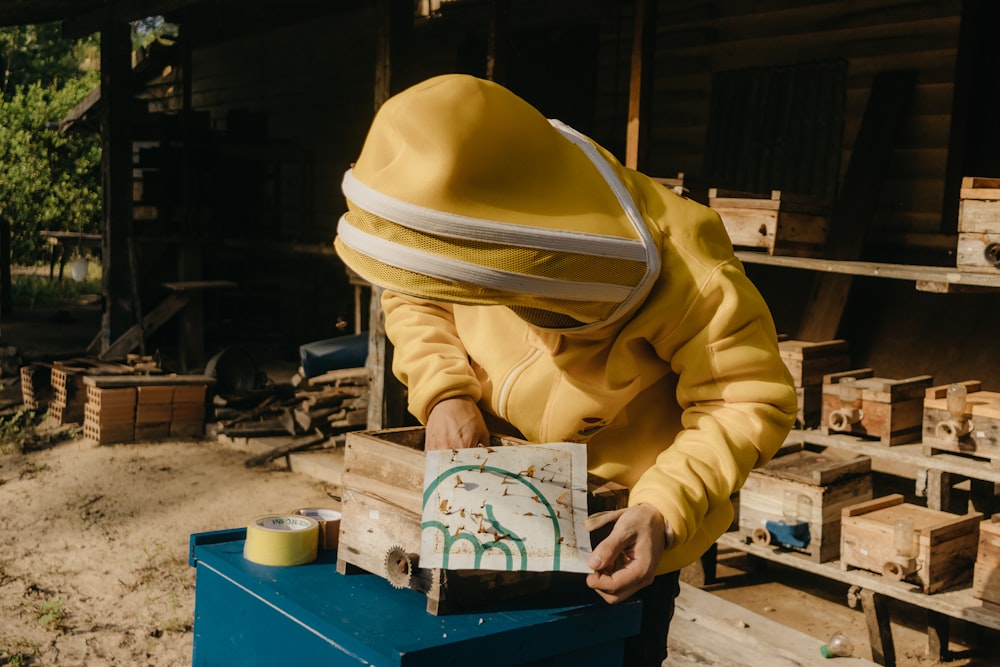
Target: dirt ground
x=94, y=540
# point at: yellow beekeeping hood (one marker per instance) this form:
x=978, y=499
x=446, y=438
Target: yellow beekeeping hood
x=465, y=193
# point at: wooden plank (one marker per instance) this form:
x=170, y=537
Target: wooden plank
x=879, y=627
x=153, y=320
x=709, y=630
x=858, y=199
x=145, y=380
x=640, y=83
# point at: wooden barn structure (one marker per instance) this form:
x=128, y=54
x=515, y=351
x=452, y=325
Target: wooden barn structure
x=223, y=154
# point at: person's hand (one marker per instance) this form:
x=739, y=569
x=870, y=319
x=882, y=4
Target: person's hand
x=455, y=423
x=626, y=560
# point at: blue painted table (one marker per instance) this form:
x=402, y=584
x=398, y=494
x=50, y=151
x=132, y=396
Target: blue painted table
x=248, y=614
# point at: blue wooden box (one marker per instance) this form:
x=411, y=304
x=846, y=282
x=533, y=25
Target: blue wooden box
x=248, y=614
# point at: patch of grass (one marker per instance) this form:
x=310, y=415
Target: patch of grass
x=17, y=653
x=32, y=288
x=51, y=614
x=22, y=432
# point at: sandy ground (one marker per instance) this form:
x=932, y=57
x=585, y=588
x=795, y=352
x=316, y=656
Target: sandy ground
x=94, y=546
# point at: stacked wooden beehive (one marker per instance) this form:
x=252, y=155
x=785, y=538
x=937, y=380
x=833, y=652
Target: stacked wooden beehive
x=979, y=225
x=778, y=223
x=856, y=402
x=808, y=363
x=795, y=501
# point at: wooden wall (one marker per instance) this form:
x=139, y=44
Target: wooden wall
x=697, y=41
x=313, y=79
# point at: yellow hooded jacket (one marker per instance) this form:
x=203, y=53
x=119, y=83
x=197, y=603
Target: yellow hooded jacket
x=574, y=299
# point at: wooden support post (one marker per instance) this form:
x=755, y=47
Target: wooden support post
x=640, y=83
x=116, y=168
x=387, y=395
x=879, y=627
x=858, y=200
x=938, y=636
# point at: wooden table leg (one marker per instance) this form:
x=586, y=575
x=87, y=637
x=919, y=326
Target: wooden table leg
x=938, y=636
x=879, y=627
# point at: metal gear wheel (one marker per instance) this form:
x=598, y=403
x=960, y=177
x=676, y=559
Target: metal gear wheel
x=399, y=567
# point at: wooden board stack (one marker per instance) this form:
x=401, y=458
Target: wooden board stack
x=808, y=363
x=885, y=409
x=906, y=542
x=819, y=484
x=779, y=223
x=979, y=225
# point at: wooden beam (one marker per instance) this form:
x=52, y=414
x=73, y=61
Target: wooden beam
x=116, y=169
x=879, y=627
x=387, y=395
x=154, y=319
x=640, y=83
x=858, y=199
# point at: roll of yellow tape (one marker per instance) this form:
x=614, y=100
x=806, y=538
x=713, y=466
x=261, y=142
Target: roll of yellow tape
x=274, y=539
x=329, y=525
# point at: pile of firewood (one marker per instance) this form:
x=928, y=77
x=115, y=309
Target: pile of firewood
x=300, y=414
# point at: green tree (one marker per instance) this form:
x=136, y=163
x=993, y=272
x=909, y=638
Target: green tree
x=48, y=180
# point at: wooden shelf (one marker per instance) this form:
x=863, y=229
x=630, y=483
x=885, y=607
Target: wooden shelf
x=909, y=454
x=940, y=279
x=957, y=603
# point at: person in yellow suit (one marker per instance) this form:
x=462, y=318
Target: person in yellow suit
x=536, y=287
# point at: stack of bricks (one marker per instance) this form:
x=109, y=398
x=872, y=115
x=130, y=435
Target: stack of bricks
x=69, y=395
x=187, y=418
x=109, y=415
x=128, y=409
x=36, y=386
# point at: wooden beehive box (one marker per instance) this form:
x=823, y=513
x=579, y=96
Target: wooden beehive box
x=778, y=223
x=381, y=501
x=891, y=411
x=979, y=225
x=946, y=544
x=986, y=575
x=808, y=363
x=830, y=480
x=982, y=408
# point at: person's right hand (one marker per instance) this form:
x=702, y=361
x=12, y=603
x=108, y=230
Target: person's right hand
x=455, y=423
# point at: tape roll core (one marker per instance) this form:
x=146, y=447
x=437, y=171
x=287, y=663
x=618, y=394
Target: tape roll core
x=280, y=540
x=329, y=525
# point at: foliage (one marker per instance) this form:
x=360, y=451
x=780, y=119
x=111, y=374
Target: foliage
x=48, y=180
x=38, y=291
x=51, y=614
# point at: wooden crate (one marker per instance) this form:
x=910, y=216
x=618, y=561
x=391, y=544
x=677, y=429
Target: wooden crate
x=986, y=575
x=979, y=225
x=945, y=544
x=830, y=480
x=982, y=413
x=778, y=223
x=381, y=500
x=808, y=363
x=891, y=411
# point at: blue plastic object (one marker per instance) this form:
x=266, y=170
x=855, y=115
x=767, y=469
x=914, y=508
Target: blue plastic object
x=334, y=353
x=253, y=615
x=789, y=534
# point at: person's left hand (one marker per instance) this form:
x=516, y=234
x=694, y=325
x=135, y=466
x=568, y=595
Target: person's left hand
x=626, y=560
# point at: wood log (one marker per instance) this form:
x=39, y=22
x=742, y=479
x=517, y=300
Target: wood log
x=297, y=444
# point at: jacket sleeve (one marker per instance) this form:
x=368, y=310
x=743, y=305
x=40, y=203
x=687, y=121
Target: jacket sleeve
x=429, y=357
x=738, y=405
